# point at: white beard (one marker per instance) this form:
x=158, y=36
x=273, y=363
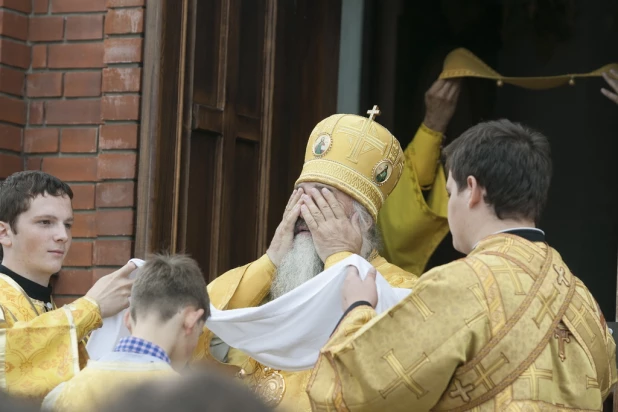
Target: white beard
x=299, y=265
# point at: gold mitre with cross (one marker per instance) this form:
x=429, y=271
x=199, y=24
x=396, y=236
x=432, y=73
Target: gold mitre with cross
x=356, y=155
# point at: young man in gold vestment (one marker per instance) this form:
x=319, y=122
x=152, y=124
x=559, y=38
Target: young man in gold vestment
x=169, y=306
x=41, y=346
x=352, y=163
x=508, y=328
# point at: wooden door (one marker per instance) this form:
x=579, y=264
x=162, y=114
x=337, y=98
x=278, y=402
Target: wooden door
x=239, y=86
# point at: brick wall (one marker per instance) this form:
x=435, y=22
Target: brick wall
x=15, y=56
x=70, y=74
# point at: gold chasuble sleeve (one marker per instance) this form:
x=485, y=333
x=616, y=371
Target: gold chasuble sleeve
x=39, y=351
x=242, y=287
x=413, y=218
x=403, y=359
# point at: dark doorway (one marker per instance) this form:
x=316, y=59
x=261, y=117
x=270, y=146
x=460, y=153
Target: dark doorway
x=518, y=38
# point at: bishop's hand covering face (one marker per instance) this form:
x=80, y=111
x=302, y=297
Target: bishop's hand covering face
x=352, y=164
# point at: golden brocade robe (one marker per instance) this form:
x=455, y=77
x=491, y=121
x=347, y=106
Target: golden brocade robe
x=413, y=219
x=507, y=328
x=39, y=349
x=248, y=286
x=101, y=381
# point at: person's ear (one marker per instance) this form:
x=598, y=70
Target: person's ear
x=127, y=320
x=476, y=192
x=192, y=318
x=6, y=234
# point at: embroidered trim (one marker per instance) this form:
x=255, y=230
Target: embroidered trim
x=73, y=333
x=16, y=286
x=2, y=349
x=523, y=365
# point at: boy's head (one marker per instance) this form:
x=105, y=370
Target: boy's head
x=498, y=170
x=169, y=296
x=35, y=223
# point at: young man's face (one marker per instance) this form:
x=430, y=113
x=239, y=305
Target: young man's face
x=40, y=238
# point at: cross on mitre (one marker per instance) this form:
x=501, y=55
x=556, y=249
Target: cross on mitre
x=373, y=112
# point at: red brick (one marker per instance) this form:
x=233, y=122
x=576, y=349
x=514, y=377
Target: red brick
x=13, y=25
x=47, y=28
x=119, y=50
x=125, y=79
x=75, y=55
x=24, y=6
x=112, y=252
x=39, y=56
x=73, y=111
x=124, y=3
x=41, y=6
x=121, y=107
x=10, y=164
x=41, y=140
x=14, y=54
x=117, y=166
x=117, y=194
x=73, y=282
x=47, y=84
x=84, y=225
x=11, y=137
x=33, y=163
x=37, y=112
x=80, y=254
x=12, y=81
x=98, y=273
x=83, y=196
x=114, y=222
x=118, y=136
x=79, y=140
x=12, y=110
x=123, y=21
x=77, y=6
x=80, y=84
x=84, y=27
x=71, y=169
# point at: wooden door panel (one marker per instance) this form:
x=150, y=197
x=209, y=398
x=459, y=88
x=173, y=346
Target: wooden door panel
x=265, y=71
x=203, y=165
x=244, y=204
x=209, y=56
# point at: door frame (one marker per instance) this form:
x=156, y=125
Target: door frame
x=166, y=83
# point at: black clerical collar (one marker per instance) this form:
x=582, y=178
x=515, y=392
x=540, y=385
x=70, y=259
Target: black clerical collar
x=32, y=289
x=531, y=234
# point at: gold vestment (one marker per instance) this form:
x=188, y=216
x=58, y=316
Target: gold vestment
x=39, y=349
x=248, y=286
x=508, y=328
x=99, y=382
x=413, y=219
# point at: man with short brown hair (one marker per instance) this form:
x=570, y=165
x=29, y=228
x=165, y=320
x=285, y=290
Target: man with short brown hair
x=507, y=328
x=169, y=305
x=41, y=346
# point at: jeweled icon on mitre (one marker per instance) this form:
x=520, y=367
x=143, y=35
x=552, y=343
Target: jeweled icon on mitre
x=321, y=145
x=382, y=172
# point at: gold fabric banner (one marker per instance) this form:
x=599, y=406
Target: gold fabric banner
x=463, y=63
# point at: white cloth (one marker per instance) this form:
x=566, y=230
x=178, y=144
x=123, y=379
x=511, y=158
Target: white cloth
x=286, y=333
x=103, y=340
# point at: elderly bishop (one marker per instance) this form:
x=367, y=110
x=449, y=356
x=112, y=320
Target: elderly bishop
x=352, y=164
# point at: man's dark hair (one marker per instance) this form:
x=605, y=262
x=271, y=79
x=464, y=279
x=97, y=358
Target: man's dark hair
x=198, y=391
x=167, y=284
x=511, y=161
x=19, y=190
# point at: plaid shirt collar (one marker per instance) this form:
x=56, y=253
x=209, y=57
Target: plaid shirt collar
x=132, y=344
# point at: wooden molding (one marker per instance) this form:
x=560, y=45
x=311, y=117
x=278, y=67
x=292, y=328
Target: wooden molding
x=163, y=114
